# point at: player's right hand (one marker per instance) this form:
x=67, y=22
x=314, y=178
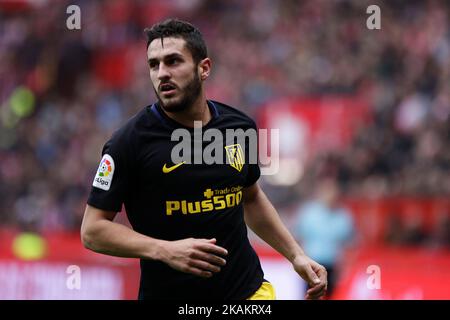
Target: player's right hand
x=201, y=257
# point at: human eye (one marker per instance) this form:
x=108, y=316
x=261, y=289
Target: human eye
x=173, y=61
x=153, y=64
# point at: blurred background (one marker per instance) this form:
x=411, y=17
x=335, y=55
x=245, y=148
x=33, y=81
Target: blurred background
x=364, y=179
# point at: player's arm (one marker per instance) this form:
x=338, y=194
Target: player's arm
x=263, y=219
x=101, y=234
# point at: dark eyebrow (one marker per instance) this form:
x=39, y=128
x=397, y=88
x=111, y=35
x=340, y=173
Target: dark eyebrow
x=169, y=56
x=173, y=55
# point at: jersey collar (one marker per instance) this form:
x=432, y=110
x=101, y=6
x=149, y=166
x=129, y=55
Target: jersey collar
x=160, y=114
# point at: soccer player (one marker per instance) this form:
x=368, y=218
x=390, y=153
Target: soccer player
x=189, y=219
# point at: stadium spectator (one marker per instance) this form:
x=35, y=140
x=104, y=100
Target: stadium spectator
x=60, y=89
x=325, y=228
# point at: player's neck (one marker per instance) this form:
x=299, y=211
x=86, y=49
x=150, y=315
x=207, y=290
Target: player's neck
x=198, y=111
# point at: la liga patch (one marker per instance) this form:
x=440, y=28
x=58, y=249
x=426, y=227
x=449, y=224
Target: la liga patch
x=105, y=173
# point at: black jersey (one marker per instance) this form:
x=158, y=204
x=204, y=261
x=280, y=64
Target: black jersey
x=174, y=201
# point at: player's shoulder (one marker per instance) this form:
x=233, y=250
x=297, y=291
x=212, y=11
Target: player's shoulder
x=127, y=133
x=232, y=113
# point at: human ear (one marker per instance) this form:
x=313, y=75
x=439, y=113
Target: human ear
x=204, y=68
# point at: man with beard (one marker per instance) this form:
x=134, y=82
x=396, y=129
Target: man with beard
x=189, y=220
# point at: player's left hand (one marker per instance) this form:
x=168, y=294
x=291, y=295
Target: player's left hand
x=314, y=274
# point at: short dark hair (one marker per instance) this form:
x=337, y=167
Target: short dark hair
x=179, y=29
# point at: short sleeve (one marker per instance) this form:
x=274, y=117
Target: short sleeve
x=111, y=181
x=254, y=172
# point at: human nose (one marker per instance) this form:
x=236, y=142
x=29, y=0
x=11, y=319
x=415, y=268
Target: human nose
x=163, y=72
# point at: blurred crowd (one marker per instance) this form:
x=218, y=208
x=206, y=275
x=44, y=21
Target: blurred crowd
x=63, y=92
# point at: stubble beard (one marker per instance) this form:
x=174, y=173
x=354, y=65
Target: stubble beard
x=189, y=95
